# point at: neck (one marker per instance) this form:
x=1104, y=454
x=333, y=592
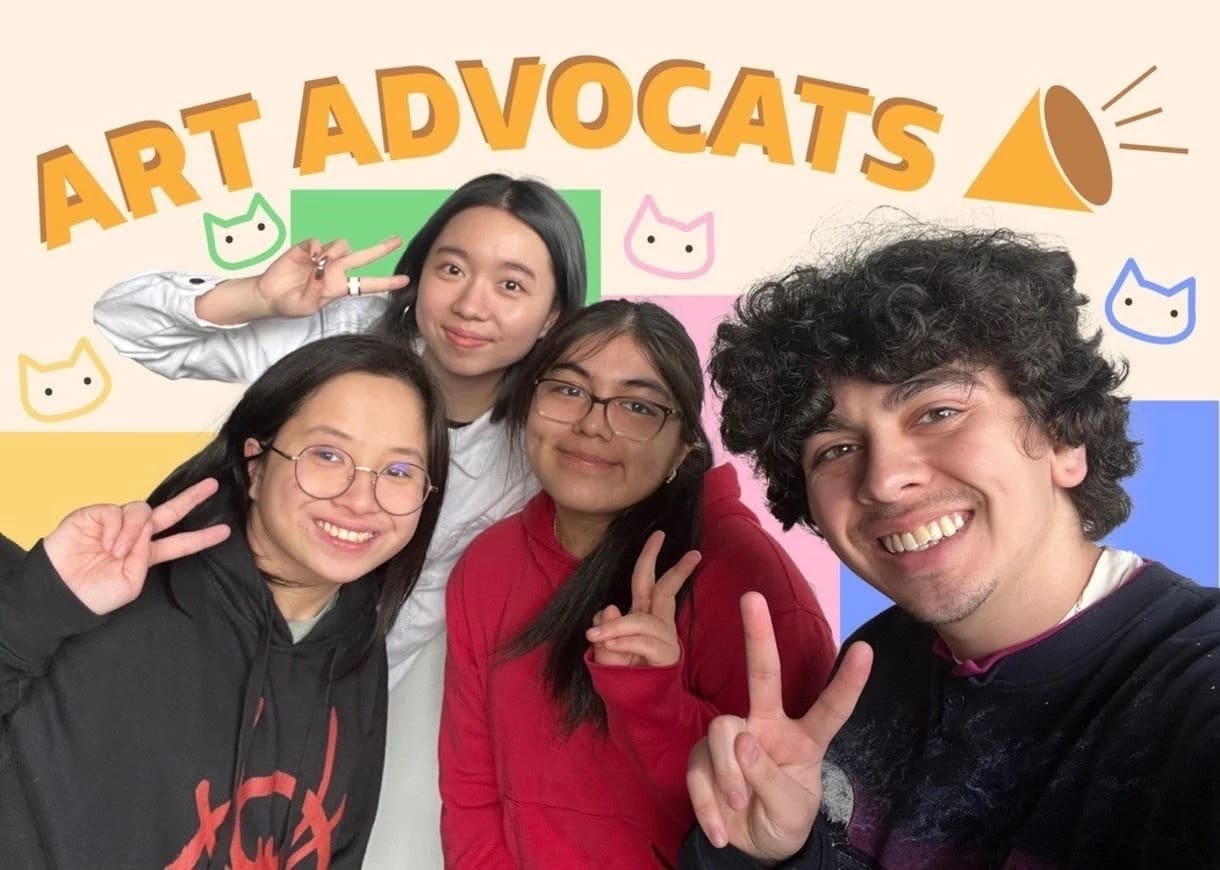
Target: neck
x=296, y=603
x=466, y=397
x=579, y=534
x=1018, y=612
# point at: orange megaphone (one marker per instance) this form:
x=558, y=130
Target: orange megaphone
x=1052, y=156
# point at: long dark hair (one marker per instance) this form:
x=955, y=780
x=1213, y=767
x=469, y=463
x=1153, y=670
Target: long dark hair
x=277, y=396
x=533, y=203
x=604, y=576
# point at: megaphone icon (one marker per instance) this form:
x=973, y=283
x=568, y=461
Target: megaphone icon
x=1053, y=156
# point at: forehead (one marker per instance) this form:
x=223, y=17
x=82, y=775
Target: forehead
x=856, y=397
x=374, y=410
x=615, y=360
x=487, y=231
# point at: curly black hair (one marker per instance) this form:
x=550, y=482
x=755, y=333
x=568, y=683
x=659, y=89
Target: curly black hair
x=888, y=312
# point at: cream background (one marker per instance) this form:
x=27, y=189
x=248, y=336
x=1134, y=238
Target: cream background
x=82, y=69
x=74, y=70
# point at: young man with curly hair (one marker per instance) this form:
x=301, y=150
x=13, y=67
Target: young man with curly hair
x=1035, y=699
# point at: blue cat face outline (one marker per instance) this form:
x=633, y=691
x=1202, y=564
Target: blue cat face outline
x=257, y=203
x=1131, y=270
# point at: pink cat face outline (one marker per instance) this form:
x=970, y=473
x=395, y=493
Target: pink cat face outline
x=649, y=208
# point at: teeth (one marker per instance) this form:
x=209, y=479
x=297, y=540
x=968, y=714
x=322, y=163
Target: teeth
x=344, y=534
x=924, y=537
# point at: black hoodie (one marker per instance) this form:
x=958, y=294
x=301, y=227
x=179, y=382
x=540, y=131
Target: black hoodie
x=126, y=740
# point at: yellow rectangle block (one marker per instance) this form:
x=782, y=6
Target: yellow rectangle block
x=45, y=476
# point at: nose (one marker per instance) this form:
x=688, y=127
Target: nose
x=892, y=469
x=596, y=421
x=471, y=303
x=360, y=497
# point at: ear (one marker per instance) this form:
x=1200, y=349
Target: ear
x=1069, y=465
x=550, y=321
x=258, y=203
x=253, y=451
x=683, y=452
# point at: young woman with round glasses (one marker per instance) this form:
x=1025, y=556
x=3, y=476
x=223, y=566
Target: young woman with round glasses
x=200, y=680
x=593, y=636
x=475, y=289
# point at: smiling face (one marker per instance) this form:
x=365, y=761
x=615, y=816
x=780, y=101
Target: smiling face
x=939, y=494
x=486, y=294
x=591, y=473
x=321, y=543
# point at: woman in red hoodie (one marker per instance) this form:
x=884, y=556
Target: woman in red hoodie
x=593, y=636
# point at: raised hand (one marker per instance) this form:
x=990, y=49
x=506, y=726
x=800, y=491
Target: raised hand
x=298, y=283
x=757, y=782
x=647, y=635
x=295, y=286
x=103, y=552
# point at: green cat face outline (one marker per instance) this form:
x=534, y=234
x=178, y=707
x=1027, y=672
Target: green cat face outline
x=257, y=203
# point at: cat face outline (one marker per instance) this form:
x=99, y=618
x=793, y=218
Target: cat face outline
x=56, y=391
x=1149, y=311
x=667, y=247
x=242, y=241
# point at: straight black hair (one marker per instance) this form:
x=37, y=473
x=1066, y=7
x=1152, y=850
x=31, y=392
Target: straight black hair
x=276, y=397
x=533, y=203
x=604, y=576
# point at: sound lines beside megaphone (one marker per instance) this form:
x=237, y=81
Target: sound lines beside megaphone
x=1054, y=154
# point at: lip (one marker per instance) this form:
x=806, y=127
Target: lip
x=582, y=460
x=912, y=521
x=341, y=545
x=463, y=339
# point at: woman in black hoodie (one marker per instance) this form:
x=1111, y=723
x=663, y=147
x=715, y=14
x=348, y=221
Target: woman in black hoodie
x=207, y=699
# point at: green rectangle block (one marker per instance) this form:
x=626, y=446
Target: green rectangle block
x=365, y=217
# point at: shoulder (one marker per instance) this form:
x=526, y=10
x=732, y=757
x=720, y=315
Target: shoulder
x=502, y=543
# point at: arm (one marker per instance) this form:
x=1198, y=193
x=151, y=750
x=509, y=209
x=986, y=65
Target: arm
x=38, y=612
x=152, y=319
x=472, y=823
x=658, y=714
x=93, y=563
x=187, y=326
x=11, y=553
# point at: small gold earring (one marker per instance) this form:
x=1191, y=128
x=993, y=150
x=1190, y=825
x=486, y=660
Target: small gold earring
x=672, y=475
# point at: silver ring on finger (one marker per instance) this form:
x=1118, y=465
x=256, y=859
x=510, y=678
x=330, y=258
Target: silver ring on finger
x=353, y=286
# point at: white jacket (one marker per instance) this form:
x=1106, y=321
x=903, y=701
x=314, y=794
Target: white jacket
x=151, y=319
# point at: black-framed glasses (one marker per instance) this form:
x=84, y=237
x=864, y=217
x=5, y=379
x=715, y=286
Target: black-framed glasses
x=323, y=471
x=627, y=416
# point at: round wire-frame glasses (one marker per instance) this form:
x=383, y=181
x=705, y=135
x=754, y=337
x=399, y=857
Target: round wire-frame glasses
x=322, y=471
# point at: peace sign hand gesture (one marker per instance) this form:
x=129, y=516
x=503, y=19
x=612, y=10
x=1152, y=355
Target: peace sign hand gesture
x=103, y=552
x=298, y=283
x=757, y=782
x=648, y=634
x=311, y=275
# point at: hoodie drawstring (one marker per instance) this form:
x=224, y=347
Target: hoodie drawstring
x=250, y=709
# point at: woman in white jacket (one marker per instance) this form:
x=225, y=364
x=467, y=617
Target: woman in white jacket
x=483, y=279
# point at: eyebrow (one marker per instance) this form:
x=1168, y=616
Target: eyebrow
x=929, y=380
x=515, y=265
x=412, y=452
x=907, y=390
x=642, y=383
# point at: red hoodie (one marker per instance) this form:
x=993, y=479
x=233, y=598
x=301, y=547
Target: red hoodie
x=517, y=791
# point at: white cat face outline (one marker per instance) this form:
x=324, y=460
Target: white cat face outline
x=1148, y=311
x=51, y=392
x=667, y=247
x=243, y=241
